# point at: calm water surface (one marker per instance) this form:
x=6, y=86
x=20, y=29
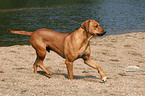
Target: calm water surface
x=115, y=16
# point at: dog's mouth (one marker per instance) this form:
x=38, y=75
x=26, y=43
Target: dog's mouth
x=101, y=34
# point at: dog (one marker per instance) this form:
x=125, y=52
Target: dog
x=70, y=46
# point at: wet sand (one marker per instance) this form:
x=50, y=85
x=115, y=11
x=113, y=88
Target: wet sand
x=122, y=58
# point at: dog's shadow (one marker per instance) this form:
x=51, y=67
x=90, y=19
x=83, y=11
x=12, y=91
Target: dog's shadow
x=66, y=76
x=44, y=74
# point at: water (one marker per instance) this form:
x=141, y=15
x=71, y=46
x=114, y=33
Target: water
x=115, y=16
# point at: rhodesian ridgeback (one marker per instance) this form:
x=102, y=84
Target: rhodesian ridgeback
x=70, y=46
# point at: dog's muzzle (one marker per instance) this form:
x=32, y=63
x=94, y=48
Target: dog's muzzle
x=101, y=34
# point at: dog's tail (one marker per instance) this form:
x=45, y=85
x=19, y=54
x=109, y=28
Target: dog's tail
x=20, y=32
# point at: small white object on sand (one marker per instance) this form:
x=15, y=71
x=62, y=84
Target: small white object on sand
x=129, y=70
x=133, y=67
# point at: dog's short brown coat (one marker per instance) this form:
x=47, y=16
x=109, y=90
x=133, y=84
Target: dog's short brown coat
x=70, y=46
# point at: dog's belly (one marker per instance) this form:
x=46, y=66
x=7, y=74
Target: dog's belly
x=56, y=49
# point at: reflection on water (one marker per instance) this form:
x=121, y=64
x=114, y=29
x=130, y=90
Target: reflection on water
x=115, y=16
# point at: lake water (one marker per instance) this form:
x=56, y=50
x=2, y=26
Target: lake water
x=115, y=16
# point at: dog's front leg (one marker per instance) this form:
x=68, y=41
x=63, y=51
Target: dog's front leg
x=91, y=63
x=69, y=69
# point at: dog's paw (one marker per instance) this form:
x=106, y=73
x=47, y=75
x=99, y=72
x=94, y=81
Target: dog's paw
x=104, y=79
x=48, y=75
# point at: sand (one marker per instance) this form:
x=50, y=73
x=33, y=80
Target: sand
x=122, y=58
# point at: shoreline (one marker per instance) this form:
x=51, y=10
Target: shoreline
x=26, y=39
x=115, y=54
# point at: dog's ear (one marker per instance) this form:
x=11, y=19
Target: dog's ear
x=85, y=25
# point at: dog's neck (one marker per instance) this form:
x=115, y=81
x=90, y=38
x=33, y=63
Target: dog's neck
x=82, y=38
x=83, y=34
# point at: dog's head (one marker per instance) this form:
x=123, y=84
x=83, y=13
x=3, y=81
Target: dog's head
x=93, y=28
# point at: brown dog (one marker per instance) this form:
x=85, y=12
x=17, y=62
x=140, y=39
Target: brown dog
x=70, y=46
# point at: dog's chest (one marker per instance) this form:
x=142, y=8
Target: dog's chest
x=83, y=52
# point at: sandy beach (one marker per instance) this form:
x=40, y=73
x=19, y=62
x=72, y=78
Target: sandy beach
x=122, y=58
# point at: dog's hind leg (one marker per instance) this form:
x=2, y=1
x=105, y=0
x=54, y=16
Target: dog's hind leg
x=35, y=65
x=39, y=62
